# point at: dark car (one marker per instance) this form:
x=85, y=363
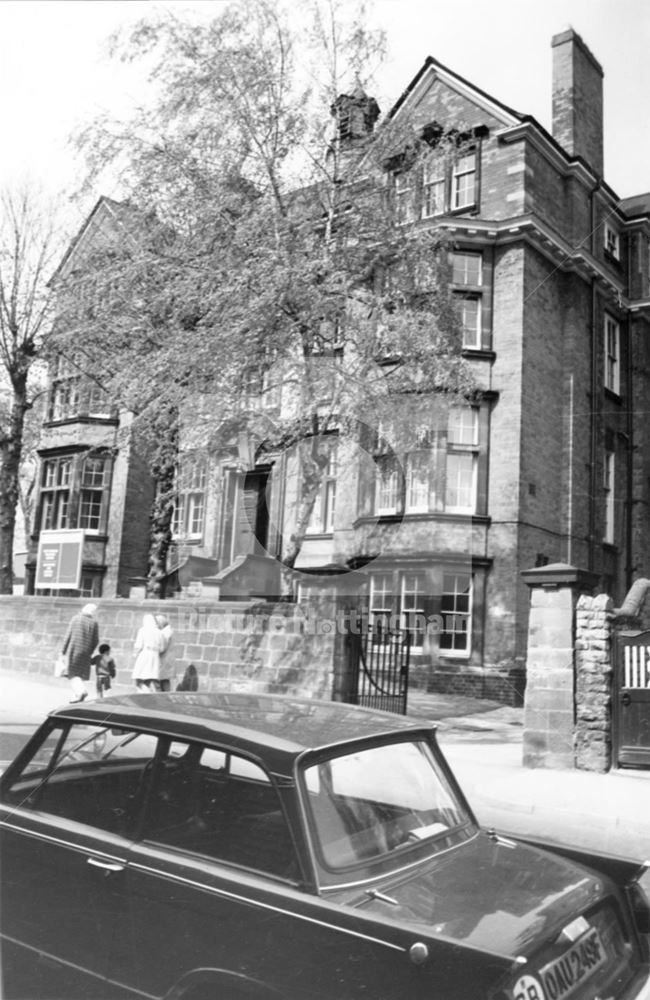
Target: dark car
x=234, y=846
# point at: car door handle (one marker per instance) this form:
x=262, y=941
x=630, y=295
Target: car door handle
x=108, y=866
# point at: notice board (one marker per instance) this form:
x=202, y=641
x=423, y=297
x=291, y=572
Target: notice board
x=58, y=566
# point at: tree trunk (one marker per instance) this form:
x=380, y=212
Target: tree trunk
x=163, y=467
x=311, y=474
x=161, y=536
x=10, y=454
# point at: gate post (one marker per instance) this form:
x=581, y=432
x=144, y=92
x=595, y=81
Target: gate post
x=593, y=736
x=346, y=650
x=550, y=685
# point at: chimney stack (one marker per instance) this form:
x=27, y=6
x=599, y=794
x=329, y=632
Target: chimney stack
x=577, y=99
x=355, y=115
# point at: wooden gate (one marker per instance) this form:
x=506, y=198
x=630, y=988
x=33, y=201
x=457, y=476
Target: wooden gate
x=631, y=700
x=379, y=665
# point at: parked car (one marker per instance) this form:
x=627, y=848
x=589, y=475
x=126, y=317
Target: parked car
x=193, y=846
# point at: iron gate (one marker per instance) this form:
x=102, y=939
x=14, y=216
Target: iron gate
x=631, y=701
x=379, y=666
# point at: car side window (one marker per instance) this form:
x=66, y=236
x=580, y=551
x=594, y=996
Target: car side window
x=91, y=774
x=220, y=805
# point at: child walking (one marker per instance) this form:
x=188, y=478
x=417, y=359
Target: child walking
x=104, y=668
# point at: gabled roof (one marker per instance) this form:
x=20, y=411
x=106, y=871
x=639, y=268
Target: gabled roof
x=431, y=68
x=512, y=120
x=115, y=211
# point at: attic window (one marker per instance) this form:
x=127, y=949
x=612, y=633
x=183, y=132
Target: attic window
x=446, y=181
x=464, y=180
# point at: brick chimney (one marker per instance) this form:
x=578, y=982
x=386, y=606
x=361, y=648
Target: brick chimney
x=577, y=99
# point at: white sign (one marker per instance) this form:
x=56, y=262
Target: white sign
x=60, y=554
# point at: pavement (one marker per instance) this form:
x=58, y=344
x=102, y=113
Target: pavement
x=482, y=740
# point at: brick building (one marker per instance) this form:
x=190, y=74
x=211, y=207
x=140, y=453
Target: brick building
x=550, y=464
x=93, y=476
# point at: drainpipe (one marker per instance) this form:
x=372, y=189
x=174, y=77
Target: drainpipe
x=629, y=568
x=593, y=419
x=569, y=531
x=593, y=484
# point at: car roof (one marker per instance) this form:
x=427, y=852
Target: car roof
x=276, y=728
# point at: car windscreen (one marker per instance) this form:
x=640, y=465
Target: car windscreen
x=369, y=803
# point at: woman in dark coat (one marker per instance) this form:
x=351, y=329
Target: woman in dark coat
x=81, y=640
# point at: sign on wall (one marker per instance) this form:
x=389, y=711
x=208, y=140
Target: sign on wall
x=58, y=565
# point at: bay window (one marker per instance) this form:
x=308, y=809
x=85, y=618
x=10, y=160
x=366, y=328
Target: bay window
x=456, y=610
x=55, y=493
x=397, y=603
x=388, y=484
x=74, y=492
x=321, y=520
x=73, y=394
x=402, y=599
x=93, y=492
x=462, y=456
x=440, y=475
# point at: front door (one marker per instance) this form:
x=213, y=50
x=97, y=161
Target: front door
x=252, y=531
x=631, y=719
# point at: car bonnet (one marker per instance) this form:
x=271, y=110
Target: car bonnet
x=490, y=892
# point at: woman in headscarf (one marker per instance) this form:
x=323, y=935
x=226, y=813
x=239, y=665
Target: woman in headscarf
x=166, y=658
x=149, y=644
x=80, y=642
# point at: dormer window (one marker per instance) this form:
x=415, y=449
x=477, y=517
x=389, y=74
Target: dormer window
x=612, y=242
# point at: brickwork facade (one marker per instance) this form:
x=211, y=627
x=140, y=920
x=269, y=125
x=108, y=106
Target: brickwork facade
x=560, y=471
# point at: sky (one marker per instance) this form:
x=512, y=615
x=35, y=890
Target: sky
x=55, y=72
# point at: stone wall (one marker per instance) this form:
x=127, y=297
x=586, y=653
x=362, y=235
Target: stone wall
x=593, y=680
x=245, y=646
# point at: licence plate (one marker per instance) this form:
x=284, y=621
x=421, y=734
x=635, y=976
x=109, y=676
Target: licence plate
x=563, y=975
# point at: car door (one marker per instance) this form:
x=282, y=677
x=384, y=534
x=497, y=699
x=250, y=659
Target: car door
x=67, y=821
x=216, y=905
x=214, y=824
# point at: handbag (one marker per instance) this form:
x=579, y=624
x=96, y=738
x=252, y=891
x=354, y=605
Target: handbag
x=61, y=666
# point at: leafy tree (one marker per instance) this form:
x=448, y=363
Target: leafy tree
x=28, y=244
x=266, y=251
